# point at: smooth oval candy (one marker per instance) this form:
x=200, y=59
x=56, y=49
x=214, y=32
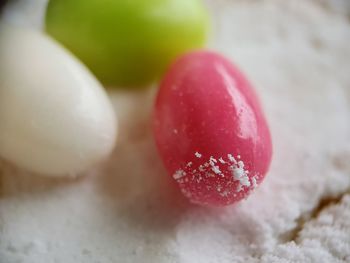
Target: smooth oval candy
x=210, y=130
x=127, y=43
x=55, y=118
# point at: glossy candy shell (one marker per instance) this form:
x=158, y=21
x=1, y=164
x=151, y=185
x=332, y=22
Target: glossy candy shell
x=210, y=129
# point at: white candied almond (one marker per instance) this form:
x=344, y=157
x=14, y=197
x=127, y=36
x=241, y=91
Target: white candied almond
x=55, y=117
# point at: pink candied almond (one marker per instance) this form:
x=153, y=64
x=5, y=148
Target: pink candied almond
x=210, y=130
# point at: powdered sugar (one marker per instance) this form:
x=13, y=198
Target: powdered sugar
x=179, y=174
x=214, y=167
x=198, y=155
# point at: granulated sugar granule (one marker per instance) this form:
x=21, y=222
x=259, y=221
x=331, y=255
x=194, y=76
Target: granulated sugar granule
x=127, y=210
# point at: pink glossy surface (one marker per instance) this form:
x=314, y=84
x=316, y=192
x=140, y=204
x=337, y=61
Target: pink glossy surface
x=207, y=110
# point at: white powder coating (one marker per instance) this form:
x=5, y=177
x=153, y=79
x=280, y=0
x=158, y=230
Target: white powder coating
x=231, y=158
x=297, y=55
x=254, y=182
x=241, y=175
x=179, y=174
x=221, y=160
x=212, y=169
x=197, y=154
x=216, y=169
x=237, y=172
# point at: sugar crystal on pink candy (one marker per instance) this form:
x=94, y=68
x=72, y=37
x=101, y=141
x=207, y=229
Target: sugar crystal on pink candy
x=210, y=130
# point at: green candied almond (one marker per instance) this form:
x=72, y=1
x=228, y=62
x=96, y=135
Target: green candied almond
x=128, y=42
